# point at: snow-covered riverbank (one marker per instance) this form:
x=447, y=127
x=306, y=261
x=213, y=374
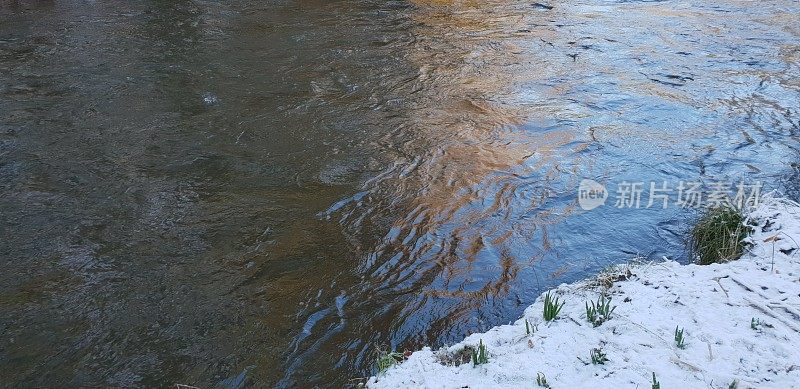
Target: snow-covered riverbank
x=741, y=323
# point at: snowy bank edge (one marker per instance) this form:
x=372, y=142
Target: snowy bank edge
x=714, y=303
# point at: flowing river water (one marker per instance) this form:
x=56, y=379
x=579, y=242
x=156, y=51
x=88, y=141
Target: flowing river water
x=239, y=193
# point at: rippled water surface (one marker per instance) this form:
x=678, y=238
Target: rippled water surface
x=262, y=193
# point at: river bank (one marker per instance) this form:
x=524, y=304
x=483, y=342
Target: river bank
x=740, y=323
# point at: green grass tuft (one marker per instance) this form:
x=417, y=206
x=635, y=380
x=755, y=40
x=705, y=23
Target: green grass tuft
x=600, y=312
x=758, y=324
x=598, y=356
x=719, y=236
x=387, y=360
x=479, y=356
x=551, y=307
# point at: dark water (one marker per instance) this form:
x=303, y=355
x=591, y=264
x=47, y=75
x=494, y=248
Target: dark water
x=262, y=193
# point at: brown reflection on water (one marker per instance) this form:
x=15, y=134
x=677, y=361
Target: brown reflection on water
x=469, y=153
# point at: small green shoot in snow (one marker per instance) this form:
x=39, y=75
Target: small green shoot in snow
x=598, y=356
x=551, y=307
x=541, y=380
x=479, y=357
x=756, y=324
x=530, y=328
x=680, y=341
x=599, y=312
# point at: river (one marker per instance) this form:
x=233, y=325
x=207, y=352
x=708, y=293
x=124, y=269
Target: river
x=265, y=193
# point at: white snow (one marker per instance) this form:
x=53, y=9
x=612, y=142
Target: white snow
x=714, y=304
